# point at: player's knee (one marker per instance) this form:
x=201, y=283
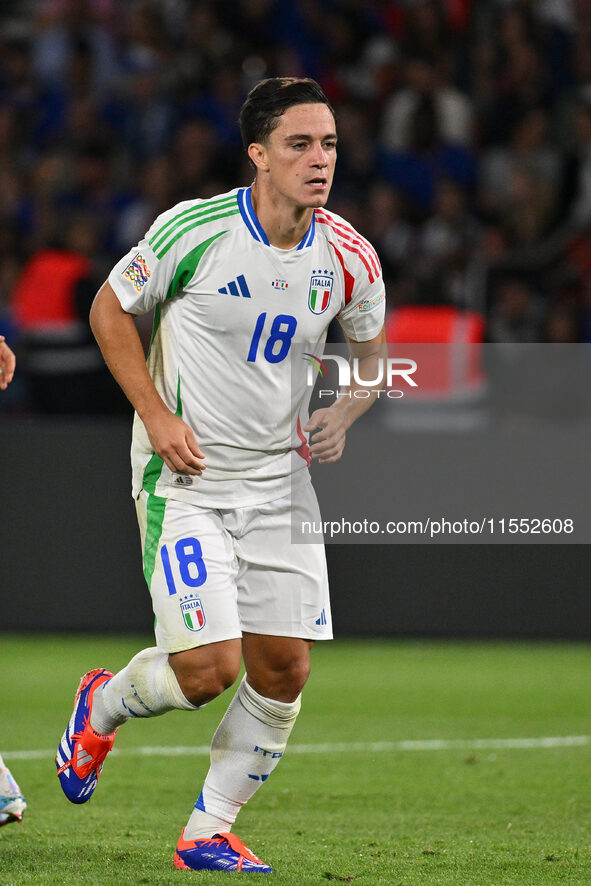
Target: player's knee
x=204, y=685
x=203, y=677
x=284, y=681
x=297, y=677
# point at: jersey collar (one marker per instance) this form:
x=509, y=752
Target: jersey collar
x=254, y=226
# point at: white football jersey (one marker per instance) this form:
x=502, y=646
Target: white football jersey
x=228, y=309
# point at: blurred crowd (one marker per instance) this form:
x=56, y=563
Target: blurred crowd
x=464, y=154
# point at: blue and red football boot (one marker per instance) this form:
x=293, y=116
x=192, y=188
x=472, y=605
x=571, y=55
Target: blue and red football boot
x=222, y=852
x=82, y=751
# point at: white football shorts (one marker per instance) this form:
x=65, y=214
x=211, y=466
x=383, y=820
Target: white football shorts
x=214, y=573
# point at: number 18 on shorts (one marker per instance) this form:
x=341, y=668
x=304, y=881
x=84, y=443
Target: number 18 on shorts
x=214, y=573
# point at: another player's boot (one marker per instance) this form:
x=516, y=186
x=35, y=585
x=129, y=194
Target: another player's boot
x=12, y=802
x=82, y=751
x=222, y=852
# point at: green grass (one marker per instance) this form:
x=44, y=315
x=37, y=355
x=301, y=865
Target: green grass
x=418, y=818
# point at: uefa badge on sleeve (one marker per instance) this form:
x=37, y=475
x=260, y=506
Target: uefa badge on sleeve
x=320, y=291
x=192, y=612
x=137, y=272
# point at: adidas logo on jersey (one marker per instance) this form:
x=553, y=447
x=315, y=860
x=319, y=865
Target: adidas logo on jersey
x=236, y=287
x=182, y=479
x=322, y=620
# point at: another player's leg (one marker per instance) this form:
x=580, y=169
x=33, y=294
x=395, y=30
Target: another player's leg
x=12, y=801
x=246, y=748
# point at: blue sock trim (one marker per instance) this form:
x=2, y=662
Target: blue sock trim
x=199, y=804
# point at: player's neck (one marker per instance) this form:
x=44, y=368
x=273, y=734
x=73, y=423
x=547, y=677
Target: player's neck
x=284, y=224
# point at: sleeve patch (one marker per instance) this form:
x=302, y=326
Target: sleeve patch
x=137, y=272
x=369, y=304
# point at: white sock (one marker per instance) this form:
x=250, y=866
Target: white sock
x=247, y=745
x=147, y=687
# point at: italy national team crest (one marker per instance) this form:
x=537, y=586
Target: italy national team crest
x=192, y=612
x=320, y=291
x=137, y=272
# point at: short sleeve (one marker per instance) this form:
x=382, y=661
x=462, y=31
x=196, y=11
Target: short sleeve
x=362, y=317
x=140, y=280
x=143, y=277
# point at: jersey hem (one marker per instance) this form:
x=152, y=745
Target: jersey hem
x=268, y=491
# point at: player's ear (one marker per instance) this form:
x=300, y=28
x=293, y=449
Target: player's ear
x=258, y=154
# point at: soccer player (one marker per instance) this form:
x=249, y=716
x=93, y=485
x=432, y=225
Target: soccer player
x=7, y=364
x=220, y=455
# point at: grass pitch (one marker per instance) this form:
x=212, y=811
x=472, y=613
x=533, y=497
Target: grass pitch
x=395, y=791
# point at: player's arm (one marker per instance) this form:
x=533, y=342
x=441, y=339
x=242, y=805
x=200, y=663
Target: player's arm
x=115, y=331
x=328, y=442
x=7, y=364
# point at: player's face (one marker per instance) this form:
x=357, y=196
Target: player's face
x=300, y=155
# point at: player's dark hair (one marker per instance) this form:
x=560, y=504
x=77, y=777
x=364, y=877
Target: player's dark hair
x=269, y=99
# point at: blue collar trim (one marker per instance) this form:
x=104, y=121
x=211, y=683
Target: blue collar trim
x=309, y=235
x=249, y=216
x=254, y=226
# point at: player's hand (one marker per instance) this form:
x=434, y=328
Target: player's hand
x=7, y=364
x=328, y=433
x=174, y=441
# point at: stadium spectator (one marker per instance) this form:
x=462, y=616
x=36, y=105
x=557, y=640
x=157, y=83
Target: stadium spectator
x=152, y=192
x=61, y=363
x=68, y=33
x=357, y=150
x=426, y=80
x=197, y=155
x=524, y=79
x=428, y=157
x=428, y=29
x=580, y=210
x=517, y=312
x=446, y=244
x=388, y=227
x=530, y=148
